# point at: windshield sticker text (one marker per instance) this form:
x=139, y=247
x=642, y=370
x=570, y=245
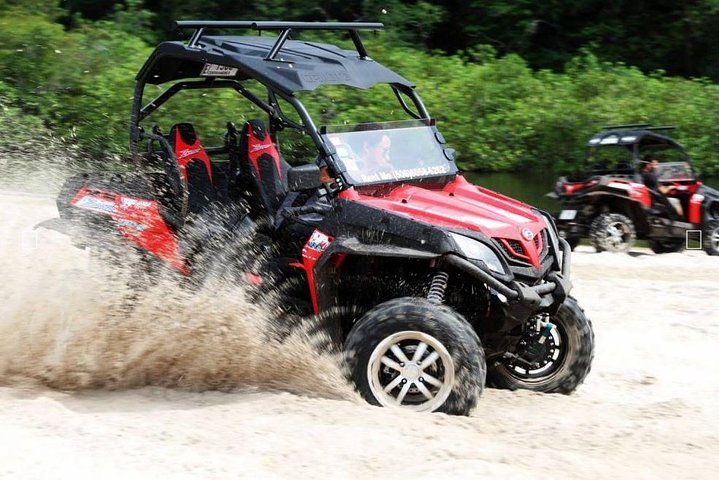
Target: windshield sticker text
x=405, y=173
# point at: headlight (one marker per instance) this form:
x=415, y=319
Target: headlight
x=475, y=250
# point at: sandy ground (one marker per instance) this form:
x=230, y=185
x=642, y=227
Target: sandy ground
x=647, y=410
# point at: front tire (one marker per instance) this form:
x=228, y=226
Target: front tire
x=711, y=238
x=568, y=359
x=612, y=232
x=417, y=355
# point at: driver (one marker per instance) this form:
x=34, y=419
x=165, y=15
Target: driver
x=374, y=152
x=649, y=178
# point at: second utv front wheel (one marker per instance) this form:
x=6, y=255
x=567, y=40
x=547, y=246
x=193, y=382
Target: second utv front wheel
x=559, y=363
x=612, y=232
x=417, y=355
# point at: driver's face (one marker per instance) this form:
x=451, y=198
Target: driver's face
x=378, y=153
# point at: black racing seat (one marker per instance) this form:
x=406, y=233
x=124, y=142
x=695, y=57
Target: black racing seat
x=195, y=166
x=264, y=171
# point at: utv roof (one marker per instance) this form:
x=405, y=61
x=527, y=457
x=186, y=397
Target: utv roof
x=285, y=65
x=643, y=134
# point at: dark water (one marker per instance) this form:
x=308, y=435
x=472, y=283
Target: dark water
x=531, y=188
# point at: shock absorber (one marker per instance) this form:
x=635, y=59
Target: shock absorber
x=438, y=287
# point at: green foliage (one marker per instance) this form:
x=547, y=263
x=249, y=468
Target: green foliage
x=495, y=109
x=20, y=128
x=80, y=82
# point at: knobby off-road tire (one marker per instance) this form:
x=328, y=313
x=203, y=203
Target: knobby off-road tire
x=423, y=354
x=573, y=343
x=612, y=232
x=666, y=246
x=710, y=238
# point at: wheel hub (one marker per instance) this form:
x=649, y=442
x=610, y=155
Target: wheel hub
x=412, y=370
x=616, y=232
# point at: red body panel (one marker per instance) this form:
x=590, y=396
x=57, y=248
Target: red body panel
x=695, y=208
x=463, y=205
x=570, y=188
x=138, y=220
x=636, y=191
x=311, y=252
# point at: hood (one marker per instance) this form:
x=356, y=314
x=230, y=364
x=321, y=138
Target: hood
x=461, y=205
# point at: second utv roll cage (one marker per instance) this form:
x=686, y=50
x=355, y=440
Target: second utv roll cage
x=633, y=137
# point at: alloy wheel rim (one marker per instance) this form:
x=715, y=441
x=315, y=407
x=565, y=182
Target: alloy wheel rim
x=411, y=370
x=617, y=235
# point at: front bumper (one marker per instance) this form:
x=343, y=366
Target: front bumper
x=521, y=300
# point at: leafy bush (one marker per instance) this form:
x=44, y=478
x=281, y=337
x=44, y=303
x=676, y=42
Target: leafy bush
x=498, y=113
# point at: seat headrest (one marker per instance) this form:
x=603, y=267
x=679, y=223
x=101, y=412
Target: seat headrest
x=256, y=128
x=186, y=133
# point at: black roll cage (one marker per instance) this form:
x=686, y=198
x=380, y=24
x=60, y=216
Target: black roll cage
x=278, y=119
x=641, y=131
x=271, y=107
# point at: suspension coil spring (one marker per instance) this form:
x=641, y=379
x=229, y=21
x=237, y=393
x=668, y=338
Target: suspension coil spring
x=438, y=287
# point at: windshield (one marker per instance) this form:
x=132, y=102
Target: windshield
x=674, y=171
x=389, y=152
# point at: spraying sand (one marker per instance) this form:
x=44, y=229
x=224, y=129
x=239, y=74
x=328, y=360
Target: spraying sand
x=82, y=382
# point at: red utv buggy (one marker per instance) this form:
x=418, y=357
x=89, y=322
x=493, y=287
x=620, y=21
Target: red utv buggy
x=449, y=283
x=610, y=204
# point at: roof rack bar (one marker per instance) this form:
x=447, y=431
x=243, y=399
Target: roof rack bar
x=664, y=127
x=260, y=25
x=195, y=37
x=281, y=39
x=628, y=125
x=284, y=27
x=358, y=44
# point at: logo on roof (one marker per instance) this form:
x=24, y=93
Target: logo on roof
x=214, y=70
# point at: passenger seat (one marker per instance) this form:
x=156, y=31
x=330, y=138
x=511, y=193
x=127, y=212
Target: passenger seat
x=194, y=164
x=264, y=171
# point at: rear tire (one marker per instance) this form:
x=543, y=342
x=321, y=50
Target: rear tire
x=711, y=237
x=388, y=353
x=612, y=232
x=572, y=343
x=667, y=245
